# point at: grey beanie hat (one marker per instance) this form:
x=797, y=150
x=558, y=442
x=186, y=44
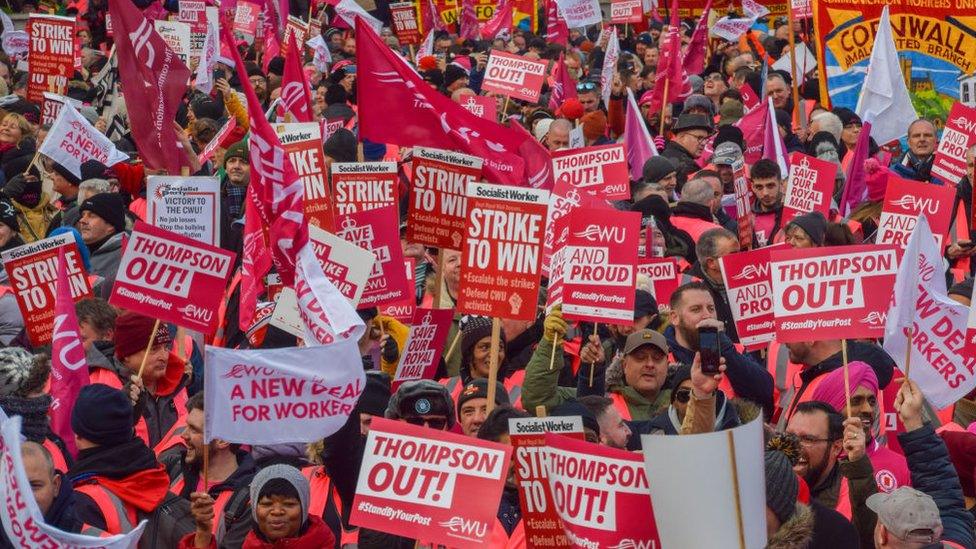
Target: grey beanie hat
x=286, y=473
x=782, y=485
x=15, y=368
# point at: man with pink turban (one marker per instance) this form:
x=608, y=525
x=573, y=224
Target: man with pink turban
x=890, y=468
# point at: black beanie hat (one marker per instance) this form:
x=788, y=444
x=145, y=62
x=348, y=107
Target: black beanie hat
x=341, y=146
x=473, y=330
x=8, y=214
x=812, y=223
x=453, y=73
x=657, y=168
x=102, y=415
x=206, y=108
x=93, y=169
x=478, y=388
x=376, y=394
x=66, y=173
x=108, y=206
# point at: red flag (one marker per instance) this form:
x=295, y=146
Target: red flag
x=670, y=72
x=538, y=162
x=556, y=30
x=694, y=62
x=296, y=99
x=417, y=115
x=271, y=27
x=500, y=24
x=153, y=81
x=69, y=369
x=431, y=18
x=753, y=126
x=469, y=21
x=255, y=260
x=563, y=86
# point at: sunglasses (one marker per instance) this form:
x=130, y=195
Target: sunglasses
x=586, y=86
x=437, y=423
x=682, y=395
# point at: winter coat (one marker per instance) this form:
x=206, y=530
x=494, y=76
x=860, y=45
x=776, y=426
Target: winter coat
x=35, y=221
x=314, y=535
x=814, y=526
x=682, y=159
x=105, y=260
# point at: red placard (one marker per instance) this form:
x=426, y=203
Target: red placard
x=425, y=343
x=436, y=213
x=664, y=276
x=303, y=143
x=479, y=105
x=626, y=11
x=330, y=125
x=743, y=207
x=502, y=255
x=809, y=186
x=840, y=292
x=378, y=231
x=600, y=265
x=514, y=76
x=418, y=483
x=528, y=436
x=749, y=97
x=360, y=186
x=904, y=201
x=404, y=310
x=598, y=171
x=171, y=277
x=746, y=277
x=246, y=18
x=33, y=272
x=214, y=144
x=404, y=17
x=51, y=55
x=601, y=494
x=295, y=26
x=958, y=135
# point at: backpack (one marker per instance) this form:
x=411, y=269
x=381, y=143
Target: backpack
x=167, y=524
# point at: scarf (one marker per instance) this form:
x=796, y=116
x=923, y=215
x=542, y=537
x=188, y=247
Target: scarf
x=33, y=413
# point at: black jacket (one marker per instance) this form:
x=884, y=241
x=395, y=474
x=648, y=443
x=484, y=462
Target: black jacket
x=723, y=309
x=874, y=355
x=663, y=423
x=683, y=161
x=61, y=515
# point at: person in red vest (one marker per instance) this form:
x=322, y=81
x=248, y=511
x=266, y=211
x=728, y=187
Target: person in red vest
x=767, y=186
x=842, y=484
x=472, y=404
x=508, y=531
x=693, y=212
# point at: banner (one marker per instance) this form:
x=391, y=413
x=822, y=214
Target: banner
x=33, y=270
x=419, y=483
x=425, y=343
x=52, y=106
x=194, y=14
x=601, y=494
x=936, y=51
x=51, y=55
x=22, y=519
x=746, y=279
x=437, y=213
x=904, y=201
x=69, y=368
x=502, y=254
x=177, y=37
x=745, y=218
x=514, y=76
x=600, y=171
x=360, y=186
x=626, y=11
x=404, y=310
x=405, y=24
x=277, y=396
x=600, y=265
x=958, y=135
x=189, y=206
x=171, y=277
x=377, y=232
x=479, y=105
x=809, y=186
x=246, y=18
x=528, y=436
x=664, y=276
x=72, y=141
x=580, y=13
x=837, y=292
x=303, y=143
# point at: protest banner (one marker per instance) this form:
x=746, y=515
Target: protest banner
x=514, y=76
x=580, y=13
x=189, y=206
x=556, y=260
x=958, y=135
x=303, y=143
x=730, y=498
x=746, y=279
x=479, y=105
x=809, y=186
x=597, y=171
x=839, y=292
x=623, y=12
x=52, y=106
x=405, y=24
x=296, y=27
x=377, y=231
x=600, y=268
x=923, y=318
x=528, y=436
x=743, y=203
x=246, y=19
x=173, y=278
x=329, y=126
x=904, y=201
x=177, y=37
x=436, y=215
x=502, y=252
x=33, y=270
x=404, y=310
x=600, y=494
x=72, y=140
x=22, y=519
x=51, y=55
x=274, y=396
x=418, y=482
x=425, y=343
x=359, y=186
x=664, y=276
x=211, y=147
x=194, y=14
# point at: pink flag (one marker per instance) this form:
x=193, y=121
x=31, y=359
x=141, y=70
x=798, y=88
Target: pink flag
x=69, y=371
x=255, y=260
x=694, y=62
x=430, y=17
x=557, y=32
x=153, y=81
x=469, y=21
x=753, y=126
x=296, y=98
x=500, y=24
x=773, y=146
x=272, y=27
x=670, y=72
x=538, y=162
x=856, y=187
x=563, y=86
x=420, y=116
x=637, y=139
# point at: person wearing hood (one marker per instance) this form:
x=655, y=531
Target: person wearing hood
x=767, y=186
x=279, y=513
x=33, y=206
x=116, y=476
x=102, y=228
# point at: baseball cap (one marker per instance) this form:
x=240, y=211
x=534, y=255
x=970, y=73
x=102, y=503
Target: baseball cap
x=908, y=514
x=726, y=154
x=641, y=338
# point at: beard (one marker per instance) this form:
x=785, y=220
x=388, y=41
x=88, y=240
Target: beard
x=690, y=336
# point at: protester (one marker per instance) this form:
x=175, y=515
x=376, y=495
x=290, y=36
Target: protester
x=693, y=213
x=472, y=404
x=690, y=133
x=806, y=231
x=712, y=245
x=767, y=210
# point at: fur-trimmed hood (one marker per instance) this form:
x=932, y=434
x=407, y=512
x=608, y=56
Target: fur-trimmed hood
x=796, y=533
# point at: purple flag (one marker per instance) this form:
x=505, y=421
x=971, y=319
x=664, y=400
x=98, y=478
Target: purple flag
x=856, y=186
x=773, y=146
x=637, y=139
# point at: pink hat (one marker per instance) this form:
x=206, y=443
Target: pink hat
x=831, y=389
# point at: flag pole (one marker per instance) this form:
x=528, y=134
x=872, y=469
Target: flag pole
x=145, y=356
x=552, y=356
x=908, y=353
x=664, y=105
x=797, y=116
x=847, y=377
x=496, y=330
x=730, y=436
x=596, y=326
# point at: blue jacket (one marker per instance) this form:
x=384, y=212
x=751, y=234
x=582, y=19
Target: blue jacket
x=749, y=379
x=933, y=473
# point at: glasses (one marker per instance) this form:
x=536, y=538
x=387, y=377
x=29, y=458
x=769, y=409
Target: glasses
x=585, y=86
x=435, y=423
x=808, y=440
x=682, y=395
x=700, y=137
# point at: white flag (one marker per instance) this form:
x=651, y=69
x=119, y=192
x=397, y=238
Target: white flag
x=349, y=10
x=22, y=519
x=426, y=48
x=609, y=66
x=208, y=58
x=321, y=56
x=72, y=141
x=884, y=99
x=938, y=323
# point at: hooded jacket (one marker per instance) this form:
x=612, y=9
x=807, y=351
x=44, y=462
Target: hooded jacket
x=35, y=221
x=314, y=535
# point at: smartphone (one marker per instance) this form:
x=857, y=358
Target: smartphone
x=708, y=347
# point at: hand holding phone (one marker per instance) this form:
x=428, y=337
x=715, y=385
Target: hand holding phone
x=709, y=349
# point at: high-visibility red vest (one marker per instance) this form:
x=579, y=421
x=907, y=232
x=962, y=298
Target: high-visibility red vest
x=57, y=455
x=219, y=337
x=173, y=437
x=500, y=539
x=324, y=500
x=119, y=517
x=694, y=227
x=844, y=499
x=620, y=403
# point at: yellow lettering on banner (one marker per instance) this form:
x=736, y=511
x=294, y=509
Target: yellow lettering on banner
x=925, y=35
